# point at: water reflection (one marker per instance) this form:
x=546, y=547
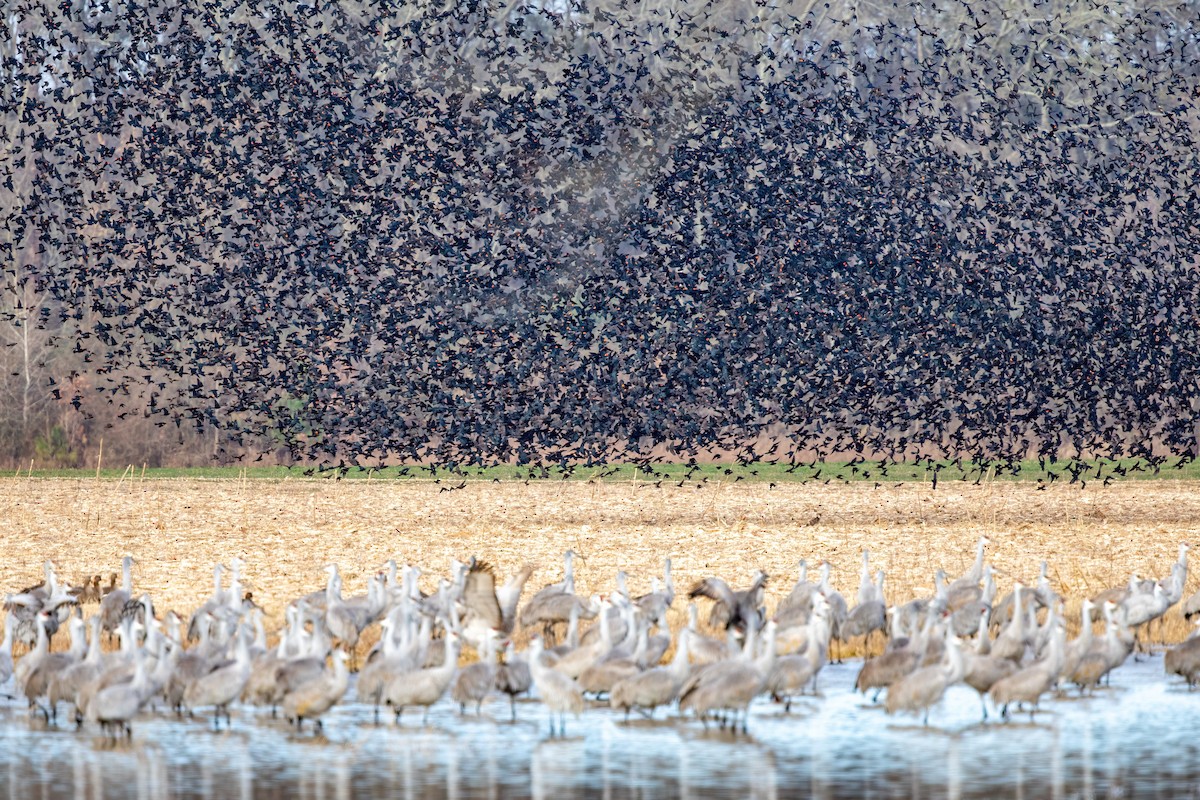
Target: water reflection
x=1139, y=738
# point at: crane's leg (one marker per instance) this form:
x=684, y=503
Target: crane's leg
x=512, y=707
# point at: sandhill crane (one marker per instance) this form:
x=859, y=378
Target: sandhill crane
x=552, y=604
x=866, y=617
x=1082, y=644
x=1013, y=641
x=513, y=677
x=423, y=687
x=113, y=603
x=572, y=640
x=655, y=687
x=117, y=704
x=966, y=613
x=392, y=659
x=982, y=668
x=118, y=667
x=1184, y=660
x=730, y=685
x=6, y=659
x=706, y=649
x=573, y=664
x=346, y=621
x=792, y=673
x=487, y=609
x=867, y=591
x=796, y=607
x=975, y=573
x=619, y=664
x=312, y=698
x=49, y=596
x=655, y=604
x=29, y=664
x=475, y=682
x=37, y=681
x=882, y=671
x=1029, y=684
x=1116, y=595
x=1140, y=608
x=221, y=686
x=209, y=606
x=733, y=609
x=914, y=612
x=838, y=610
x=558, y=692
x=922, y=688
x=65, y=684
x=1191, y=607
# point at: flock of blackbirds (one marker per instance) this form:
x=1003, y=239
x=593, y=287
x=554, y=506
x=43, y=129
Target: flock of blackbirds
x=615, y=648
x=578, y=232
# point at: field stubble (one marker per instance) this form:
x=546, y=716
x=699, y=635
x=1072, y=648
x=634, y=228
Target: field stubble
x=286, y=531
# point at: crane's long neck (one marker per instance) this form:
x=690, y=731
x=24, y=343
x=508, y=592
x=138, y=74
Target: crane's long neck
x=643, y=643
x=127, y=575
x=78, y=639
x=94, y=652
x=668, y=581
x=573, y=627
x=977, y=567
x=895, y=630
x=1085, y=629
x=235, y=592
x=1018, y=612
x=260, y=632
x=569, y=572
x=983, y=645
x=43, y=639
x=341, y=672
x=622, y=587
x=956, y=666
x=766, y=662
x=450, y=663
x=217, y=570
x=989, y=588
x=679, y=664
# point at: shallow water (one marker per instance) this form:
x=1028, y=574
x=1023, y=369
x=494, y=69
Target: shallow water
x=1139, y=738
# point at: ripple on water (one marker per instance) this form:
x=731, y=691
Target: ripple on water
x=1139, y=737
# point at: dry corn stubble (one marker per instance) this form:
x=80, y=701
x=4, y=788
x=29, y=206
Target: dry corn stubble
x=286, y=531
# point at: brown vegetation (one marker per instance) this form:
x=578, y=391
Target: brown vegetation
x=287, y=531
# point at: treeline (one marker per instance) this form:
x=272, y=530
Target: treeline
x=572, y=231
